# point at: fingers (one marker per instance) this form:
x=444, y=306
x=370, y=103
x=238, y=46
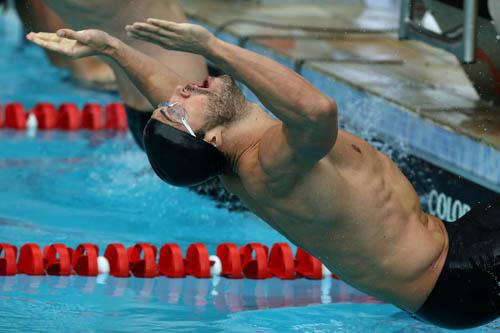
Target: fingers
x=149, y=28
x=66, y=33
x=144, y=34
x=139, y=27
x=50, y=45
x=79, y=36
x=146, y=27
x=151, y=34
x=47, y=36
x=130, y=34
x=167, y=25
x=44, y=40
x=53, y=42
x=148, y=37
x=57, y=37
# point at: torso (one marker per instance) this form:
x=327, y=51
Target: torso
x=356, y=212
x=112, y=16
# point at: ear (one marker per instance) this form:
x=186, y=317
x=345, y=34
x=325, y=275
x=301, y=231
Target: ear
x=214, y=136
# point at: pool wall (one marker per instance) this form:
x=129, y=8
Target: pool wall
x=451, y=172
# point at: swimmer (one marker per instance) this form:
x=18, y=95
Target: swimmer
x=104, y=15
x=327, y=191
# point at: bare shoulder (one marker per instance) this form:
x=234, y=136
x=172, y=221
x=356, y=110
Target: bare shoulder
x=250, y=172
x=349, y=152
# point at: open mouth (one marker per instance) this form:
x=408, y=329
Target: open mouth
x=205, y=85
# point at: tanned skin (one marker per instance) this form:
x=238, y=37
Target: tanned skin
x=327, y=191
x=111, y=16
x=89, y=72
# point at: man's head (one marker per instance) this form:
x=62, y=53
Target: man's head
x=204, y=110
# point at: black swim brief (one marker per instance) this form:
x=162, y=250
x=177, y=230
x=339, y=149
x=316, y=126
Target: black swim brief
x=467, y=293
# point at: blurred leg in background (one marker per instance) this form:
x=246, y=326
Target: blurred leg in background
x=90, y=73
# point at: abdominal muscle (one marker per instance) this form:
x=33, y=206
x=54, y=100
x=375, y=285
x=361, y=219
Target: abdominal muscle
x=360, y=216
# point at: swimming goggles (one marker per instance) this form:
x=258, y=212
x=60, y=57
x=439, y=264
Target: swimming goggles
x=177, y=113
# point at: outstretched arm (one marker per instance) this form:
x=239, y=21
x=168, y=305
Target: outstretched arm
x=309, y=117
x=155, y=81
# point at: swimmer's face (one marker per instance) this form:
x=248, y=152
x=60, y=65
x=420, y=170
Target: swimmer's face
x=214, y=102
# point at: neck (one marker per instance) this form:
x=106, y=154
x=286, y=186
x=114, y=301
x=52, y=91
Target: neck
x=245, y=134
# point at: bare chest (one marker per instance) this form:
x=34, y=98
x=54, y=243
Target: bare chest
x=353, y=204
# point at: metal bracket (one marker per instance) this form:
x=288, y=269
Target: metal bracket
x=463, y=45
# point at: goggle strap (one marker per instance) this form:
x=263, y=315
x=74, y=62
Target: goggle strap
x=185, y=123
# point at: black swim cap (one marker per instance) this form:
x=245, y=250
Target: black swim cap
x=179, y=158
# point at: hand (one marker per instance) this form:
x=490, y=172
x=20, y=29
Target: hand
x=75, y=44
x=174, y=36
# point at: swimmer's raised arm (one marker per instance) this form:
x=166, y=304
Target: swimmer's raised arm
x=155, y=81
x=309, y=116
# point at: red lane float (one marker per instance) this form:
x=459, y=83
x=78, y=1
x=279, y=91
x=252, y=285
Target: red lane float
x=66, y=116
x=46, y=116
x=142, y=260
x=281, y=262
x=84, y=260
x=197, y=263
x=230, y=257
x=252, y=261
x=31, y=261
x=171, y=263
x=117, y=256
x=15, y=117
x=92, y=118
x=69, y=117
x=116, y=117
x=8, y=259
x=308, y=266
x=57, y=258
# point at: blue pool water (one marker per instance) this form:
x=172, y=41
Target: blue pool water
x=98, y=187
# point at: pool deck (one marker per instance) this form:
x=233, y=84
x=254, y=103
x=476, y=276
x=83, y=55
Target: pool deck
x=406, y=90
